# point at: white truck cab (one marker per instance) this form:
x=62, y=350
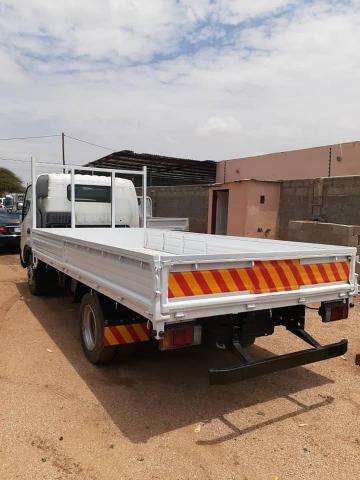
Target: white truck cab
x=92, y=204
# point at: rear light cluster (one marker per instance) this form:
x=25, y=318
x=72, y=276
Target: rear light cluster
x=4, y=230
x=184, y=336
x=332, y=311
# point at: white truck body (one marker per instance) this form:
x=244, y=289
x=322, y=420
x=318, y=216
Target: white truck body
x=132, y=266
x=169, y=279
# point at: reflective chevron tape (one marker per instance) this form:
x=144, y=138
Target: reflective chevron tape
x=263, y=277
x=130, y=333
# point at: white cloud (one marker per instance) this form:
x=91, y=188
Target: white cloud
x=113, y=29
x=235, y=11
x=10, y=72
x=220, y=126
x=178, y=77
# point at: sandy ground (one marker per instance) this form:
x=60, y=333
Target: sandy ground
x=154, y=416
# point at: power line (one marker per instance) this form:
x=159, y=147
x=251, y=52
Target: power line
x=53, y=163
x=62, y=135
x=90, y=143
x=58, y=135
x=29, y=138
x=9, y=159
x=28, y=161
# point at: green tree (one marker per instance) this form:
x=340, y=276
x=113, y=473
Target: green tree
x=9, y=182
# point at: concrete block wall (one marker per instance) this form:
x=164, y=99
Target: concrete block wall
x=296, y=200
x=326, y=233
x=190, y=201
x=331, y=200
x=341, y=200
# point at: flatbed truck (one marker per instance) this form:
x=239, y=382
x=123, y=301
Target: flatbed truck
x=137, y=284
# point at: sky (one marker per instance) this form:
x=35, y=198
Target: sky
x=202, y=79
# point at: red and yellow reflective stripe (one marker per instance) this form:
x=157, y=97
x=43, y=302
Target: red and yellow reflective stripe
x=263, y=277
x=130, y=333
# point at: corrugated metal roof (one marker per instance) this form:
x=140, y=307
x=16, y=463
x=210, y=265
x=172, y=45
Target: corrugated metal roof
x=162, y=170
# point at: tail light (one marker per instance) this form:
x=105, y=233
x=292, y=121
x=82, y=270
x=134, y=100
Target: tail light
x=4, y=230
x=332, y=311
x=183, y=336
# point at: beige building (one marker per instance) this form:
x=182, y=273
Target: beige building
x=329, y=161
x=245, y=199
x=244, y=208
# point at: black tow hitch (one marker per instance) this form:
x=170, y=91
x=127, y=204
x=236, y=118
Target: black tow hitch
x=249, y=368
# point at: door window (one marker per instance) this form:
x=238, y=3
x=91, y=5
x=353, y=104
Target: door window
x=27, y=202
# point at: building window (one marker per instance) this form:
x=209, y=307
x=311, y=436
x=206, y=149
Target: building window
x=262, y=198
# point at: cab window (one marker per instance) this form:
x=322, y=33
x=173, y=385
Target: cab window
x=90, y=193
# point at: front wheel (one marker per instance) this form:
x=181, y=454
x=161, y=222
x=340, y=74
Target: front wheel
x=92, y=331
x=42, y=279
x=37, y=280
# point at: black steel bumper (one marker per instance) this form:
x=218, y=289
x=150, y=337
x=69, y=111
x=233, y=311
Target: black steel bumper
x=249, y=369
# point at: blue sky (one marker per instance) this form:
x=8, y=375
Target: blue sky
x=195, y=78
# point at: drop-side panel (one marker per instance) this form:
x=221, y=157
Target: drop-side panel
x=124, y=279
x=53, y=248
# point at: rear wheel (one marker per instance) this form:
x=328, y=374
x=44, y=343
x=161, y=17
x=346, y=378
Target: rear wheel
x=92, y=331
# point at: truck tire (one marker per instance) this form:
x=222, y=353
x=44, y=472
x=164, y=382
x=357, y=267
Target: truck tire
x=92, y=331
x=22, y=262
x=37, y=278
x=42, y=279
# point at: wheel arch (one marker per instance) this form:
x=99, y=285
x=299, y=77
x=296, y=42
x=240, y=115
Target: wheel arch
x=78, y=290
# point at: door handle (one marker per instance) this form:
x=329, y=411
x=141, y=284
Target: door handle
x=28, y=230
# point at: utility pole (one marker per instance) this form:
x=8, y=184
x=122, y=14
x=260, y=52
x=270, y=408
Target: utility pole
x=63, y=149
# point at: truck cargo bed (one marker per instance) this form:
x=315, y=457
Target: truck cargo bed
x=169, y=277
x=166, y=243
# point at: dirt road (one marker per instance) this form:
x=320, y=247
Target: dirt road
x=155, y=416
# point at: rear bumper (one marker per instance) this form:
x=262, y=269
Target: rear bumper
x=222, y=376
